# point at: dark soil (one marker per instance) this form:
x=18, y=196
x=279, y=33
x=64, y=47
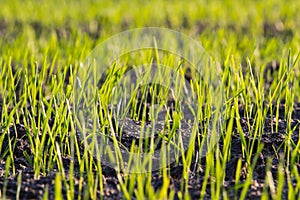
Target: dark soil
x=34, y=188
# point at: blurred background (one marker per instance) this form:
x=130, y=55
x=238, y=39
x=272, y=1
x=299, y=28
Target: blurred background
x=259, y=30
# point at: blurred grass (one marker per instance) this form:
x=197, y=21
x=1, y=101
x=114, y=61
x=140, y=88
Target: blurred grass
x=242, y=28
